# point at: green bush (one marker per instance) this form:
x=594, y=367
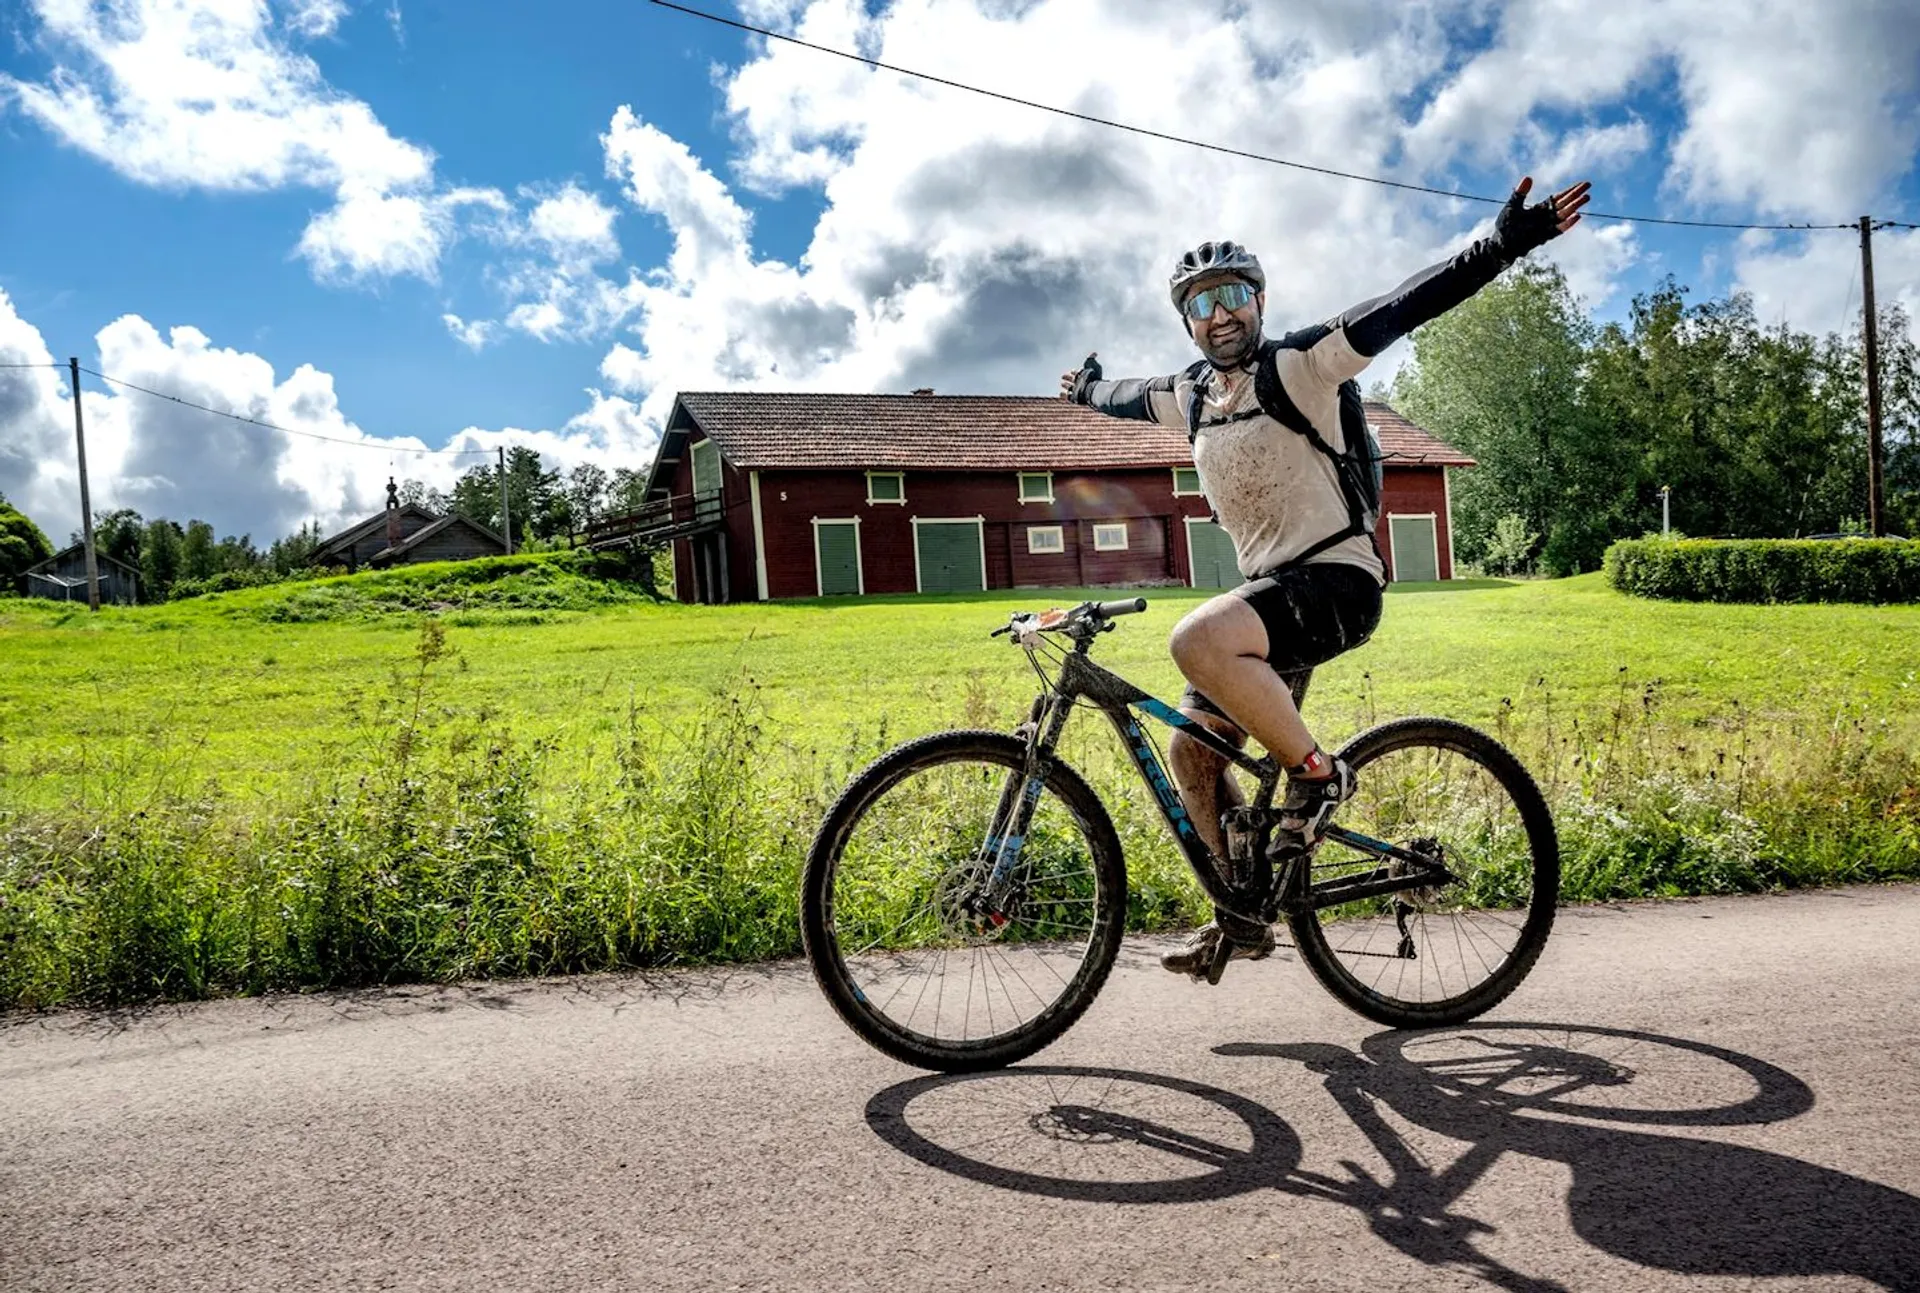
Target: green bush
x=1767, y=570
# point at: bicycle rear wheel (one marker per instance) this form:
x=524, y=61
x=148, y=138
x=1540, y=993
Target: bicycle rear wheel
x=1445, y=954
x=889, y=880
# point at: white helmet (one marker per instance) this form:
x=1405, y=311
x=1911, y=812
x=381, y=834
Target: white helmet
x=1211, y=258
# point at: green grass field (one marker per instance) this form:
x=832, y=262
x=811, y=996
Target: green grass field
x=219, y=695
x=619, y=781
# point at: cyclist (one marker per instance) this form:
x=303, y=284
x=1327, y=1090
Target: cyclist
x=1270, y=422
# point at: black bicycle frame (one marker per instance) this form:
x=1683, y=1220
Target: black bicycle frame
x=1080, y=678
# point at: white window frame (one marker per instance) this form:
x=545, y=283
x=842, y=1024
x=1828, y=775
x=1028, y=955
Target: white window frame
x=859, y=560
x=900, y=476
x=1020, y=486
x=1433, y=524
x=1059, y=534
x=1195, y=492
x=1110, y=546
x=979, y=524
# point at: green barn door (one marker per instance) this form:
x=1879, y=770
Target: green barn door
x=1416, y=557
x=1210, y=552
x=949, y=556
x=706, y=480
x=837, y=549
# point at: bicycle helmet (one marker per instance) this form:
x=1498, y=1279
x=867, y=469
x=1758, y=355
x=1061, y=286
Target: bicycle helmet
x=1211, y=258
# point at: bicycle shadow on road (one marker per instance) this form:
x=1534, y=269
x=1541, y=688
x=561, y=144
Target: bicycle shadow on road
x=1586, y=1097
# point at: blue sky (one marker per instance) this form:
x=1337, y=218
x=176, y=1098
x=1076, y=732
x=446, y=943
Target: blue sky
x=433, y=224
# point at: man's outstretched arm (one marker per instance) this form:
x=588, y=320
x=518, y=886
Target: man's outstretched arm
x=1351, y=341
x=1145, y=399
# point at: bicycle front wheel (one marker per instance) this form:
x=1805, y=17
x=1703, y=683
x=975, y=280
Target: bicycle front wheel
x=929, y=950
x=1438, y=954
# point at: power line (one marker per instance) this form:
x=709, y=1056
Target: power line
x=32, y=365
x=311, y=435
x=1201, y=143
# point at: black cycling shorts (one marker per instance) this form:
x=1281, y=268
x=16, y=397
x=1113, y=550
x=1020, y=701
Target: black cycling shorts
x=1312, y=614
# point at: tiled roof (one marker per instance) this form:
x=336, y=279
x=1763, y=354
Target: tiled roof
x=1403, y=442
x=760, y=430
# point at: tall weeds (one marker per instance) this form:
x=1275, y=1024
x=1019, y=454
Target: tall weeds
x=439, y=844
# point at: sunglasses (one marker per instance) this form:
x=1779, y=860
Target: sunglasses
x=1231, y=296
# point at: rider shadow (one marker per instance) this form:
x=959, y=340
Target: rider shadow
x=1674, y=1203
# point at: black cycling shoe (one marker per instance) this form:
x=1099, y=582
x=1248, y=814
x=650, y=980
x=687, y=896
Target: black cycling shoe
x=1300, y=822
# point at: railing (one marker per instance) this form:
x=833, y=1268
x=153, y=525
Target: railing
x=666, y=518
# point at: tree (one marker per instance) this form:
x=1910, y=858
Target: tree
x=118, y=534
x=196, y=551
x=626, y=492
x=534, y=496
x=160, y=559
x=1500, y=377
x=587, y=494
x=295, y=552
x=23, y=545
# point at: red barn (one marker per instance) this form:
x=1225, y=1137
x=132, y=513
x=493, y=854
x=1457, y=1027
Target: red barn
x=801, y=495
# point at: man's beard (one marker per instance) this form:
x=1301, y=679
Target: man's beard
x=1235, y=353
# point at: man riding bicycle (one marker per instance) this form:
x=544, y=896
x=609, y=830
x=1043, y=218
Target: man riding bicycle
x=1273, y=425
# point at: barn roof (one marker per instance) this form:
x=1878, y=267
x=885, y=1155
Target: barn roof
x=757, y=430
x=453, y=520
x=362, y=529
x=76, y=550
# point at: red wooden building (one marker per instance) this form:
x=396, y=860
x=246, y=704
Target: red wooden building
x=800, y=495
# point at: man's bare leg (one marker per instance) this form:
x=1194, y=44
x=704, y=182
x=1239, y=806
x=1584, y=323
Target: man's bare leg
x=1206, y=787
x=1222, y=649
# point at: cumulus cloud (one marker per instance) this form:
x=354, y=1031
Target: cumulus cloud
x=205, y=94
x=162, y=458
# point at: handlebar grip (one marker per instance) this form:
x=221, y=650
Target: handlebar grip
x=1131, y=606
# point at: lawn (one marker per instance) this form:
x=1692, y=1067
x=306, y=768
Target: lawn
x=511, y=770
x=212, y=693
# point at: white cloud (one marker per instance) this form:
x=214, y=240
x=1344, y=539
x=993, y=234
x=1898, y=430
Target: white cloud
x=207, y=94
x=575, y=225
x=474, y=335
x=165, y=459
x=314, y=19
x=1813, y=280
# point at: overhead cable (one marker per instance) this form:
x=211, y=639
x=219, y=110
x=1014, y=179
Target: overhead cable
x=1199, y=143
x=311, y=435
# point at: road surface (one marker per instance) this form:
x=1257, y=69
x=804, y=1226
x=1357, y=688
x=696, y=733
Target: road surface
x=1705, y=1095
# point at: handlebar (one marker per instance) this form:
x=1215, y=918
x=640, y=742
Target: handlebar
x=1085, y=619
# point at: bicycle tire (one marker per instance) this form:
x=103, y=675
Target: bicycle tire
x=1541, y=863
x=817, y=905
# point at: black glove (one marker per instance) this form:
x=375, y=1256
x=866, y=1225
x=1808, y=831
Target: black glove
x=1520, y=228
x=1089, y=374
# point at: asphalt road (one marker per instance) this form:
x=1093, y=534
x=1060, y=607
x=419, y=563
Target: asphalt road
x=1703, y=1095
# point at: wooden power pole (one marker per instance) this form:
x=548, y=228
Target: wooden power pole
x=506, y=517
x=1876, y=500
x=86, y=500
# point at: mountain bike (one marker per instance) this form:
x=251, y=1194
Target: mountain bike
x=965, y=896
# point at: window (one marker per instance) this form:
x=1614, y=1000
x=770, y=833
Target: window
x=1110, y=538
x=886, y=487
x=1036, y=487
x=1046, y=538
x=1186, y=480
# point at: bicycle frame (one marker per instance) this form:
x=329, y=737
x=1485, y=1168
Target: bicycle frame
x=1081, y=679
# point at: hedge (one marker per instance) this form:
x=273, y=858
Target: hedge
x=1767, y=570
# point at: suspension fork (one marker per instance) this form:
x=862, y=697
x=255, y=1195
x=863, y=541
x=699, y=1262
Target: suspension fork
x=1014, y=813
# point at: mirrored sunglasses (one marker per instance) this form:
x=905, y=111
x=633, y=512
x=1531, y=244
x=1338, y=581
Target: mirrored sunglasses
x=1231, y=296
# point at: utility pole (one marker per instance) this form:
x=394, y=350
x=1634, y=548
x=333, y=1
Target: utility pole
x=506, y=518
x=1876, y=507
x=86, y=500
x=1666, y=518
